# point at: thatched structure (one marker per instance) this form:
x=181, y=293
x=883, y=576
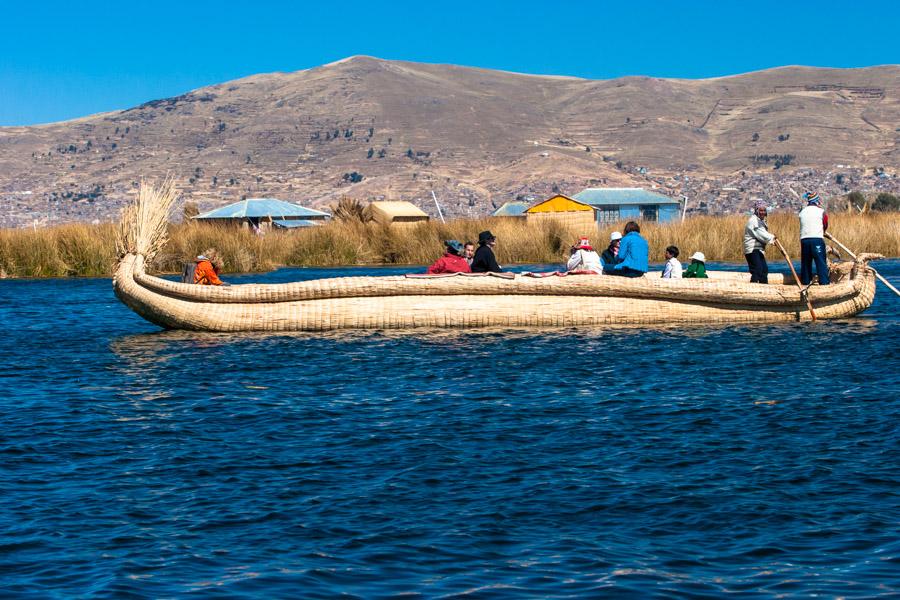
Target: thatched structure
x=396, y=212
x=397, y=302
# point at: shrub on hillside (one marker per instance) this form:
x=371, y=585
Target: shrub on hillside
x=885, y=202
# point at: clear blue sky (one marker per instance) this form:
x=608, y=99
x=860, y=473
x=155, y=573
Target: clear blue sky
x=61, y=60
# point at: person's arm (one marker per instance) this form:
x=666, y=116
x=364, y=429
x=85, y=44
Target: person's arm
x=624, y=249
x=574, y=261
x=761, y=233
x=493, y=266
x=214, y=277
x=824, y=221
x=206, y=274
x=436, y=268
x=667, y=272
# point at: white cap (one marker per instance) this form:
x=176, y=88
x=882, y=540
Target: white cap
x=615, y=235
x=699, y=256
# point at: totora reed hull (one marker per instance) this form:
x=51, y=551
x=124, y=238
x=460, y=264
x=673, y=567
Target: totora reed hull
x=397, y=302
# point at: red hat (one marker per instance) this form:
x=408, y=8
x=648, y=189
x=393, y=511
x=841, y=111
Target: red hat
x=584, y=244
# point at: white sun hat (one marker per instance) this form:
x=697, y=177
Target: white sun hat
x=699, y=256
x=615, y=235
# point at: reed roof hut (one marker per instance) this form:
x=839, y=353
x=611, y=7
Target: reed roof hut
x=396, y=212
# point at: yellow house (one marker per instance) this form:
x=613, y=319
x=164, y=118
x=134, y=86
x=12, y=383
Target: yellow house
x=563, y=209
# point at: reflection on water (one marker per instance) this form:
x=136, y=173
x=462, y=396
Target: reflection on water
x=759, y=460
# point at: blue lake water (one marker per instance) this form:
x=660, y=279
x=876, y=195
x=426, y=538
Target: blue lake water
x=687, y=462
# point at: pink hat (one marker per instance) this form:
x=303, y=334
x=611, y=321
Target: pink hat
x=584, y=243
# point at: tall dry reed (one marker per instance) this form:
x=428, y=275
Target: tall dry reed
x=89, y=250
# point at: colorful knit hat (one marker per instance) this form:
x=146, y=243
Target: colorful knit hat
x=584, y=244
x=812, y=198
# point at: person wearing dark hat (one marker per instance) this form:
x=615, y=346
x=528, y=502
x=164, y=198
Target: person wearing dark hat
x=756, y=238
x=451, y=261
x=813, y=224
x=485, y=261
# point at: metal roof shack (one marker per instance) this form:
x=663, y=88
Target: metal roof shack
x=264, y=213
x=395, y=212
x=620, y=204
x=511, y=209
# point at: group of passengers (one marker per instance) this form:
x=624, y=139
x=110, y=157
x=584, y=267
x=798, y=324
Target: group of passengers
x=628, y=255
x=464, y=258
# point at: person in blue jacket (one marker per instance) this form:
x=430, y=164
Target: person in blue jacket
x=634, y=253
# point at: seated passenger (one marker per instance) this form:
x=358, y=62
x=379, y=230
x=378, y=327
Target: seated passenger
x=697, y=268
x=484, y=260
x=584, y=258
x=634, y=253
x=608, y=258
x=673, y=267
x=469, y=252
x=209, y=265
x=451, y=261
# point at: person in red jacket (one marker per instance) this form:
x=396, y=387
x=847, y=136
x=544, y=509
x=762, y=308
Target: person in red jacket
x=451, y=262
x=208, y=266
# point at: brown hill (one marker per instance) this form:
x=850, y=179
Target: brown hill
x=476, y=137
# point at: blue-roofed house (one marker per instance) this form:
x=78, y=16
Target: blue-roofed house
x=512, y=209
x=264, y=213
x=612, y=205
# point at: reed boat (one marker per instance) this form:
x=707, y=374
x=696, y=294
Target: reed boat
x=406, y=302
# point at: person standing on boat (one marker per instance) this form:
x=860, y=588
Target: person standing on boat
x=484, y=260
x=451, y=261
x=673, y=268
x=813, y=224
x=756, y=238
x=634, y=253
x=584, y=258
x=209, y=265
x=612, y=251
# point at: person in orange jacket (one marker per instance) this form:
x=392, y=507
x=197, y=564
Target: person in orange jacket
x=209, y=264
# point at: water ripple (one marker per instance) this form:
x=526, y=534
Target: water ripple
x=702, y=462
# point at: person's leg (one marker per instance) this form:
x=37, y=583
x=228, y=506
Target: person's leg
x=805, y=261
x=821, y=262
x=763, y=268
x=751, y=262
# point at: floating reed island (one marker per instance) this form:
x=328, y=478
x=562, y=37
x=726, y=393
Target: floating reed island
x=459, y=301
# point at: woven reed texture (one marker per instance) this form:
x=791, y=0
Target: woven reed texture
x=718, y=289
x=401, y=303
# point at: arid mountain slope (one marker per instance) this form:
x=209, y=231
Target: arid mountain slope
x=371, y=128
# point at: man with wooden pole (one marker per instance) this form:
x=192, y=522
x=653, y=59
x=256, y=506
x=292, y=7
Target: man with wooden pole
x=813, y=224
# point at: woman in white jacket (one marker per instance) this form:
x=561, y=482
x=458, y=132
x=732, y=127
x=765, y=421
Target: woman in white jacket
x=584, y=258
